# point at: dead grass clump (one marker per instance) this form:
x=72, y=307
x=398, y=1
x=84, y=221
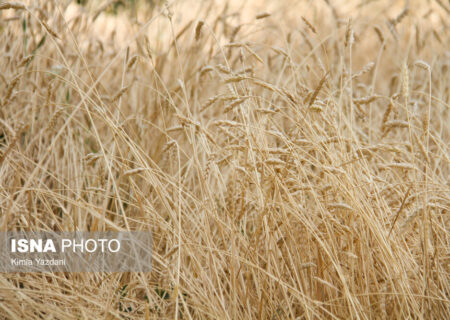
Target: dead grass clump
x=283, y=173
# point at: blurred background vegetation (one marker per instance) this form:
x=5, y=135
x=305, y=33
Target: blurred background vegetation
x=114, y=6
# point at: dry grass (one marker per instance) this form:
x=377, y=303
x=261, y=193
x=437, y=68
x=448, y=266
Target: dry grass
x=291, y=160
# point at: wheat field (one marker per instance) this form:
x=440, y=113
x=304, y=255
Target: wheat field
x=291, y=158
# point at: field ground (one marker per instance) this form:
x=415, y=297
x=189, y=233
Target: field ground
x=291, y=158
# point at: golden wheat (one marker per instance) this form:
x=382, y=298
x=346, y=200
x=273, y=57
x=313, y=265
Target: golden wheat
x=290, y=165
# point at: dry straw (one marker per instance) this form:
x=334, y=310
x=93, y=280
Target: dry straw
x=317, y=90
x=49, y=29
x=54, y=119
x=198, y=29
x=266, y=195
x=13, y=142
x=120, y=93
x=132, y=62
x=10, y=88
x=12, y=5
x=309, y=25
x=349, y=34
x=262, y=15
x=132, y=172
x=405, y=80
x=25, y=61
x=379, y=34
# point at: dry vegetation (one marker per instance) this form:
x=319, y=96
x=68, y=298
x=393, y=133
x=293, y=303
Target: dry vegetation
x=291, y=159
